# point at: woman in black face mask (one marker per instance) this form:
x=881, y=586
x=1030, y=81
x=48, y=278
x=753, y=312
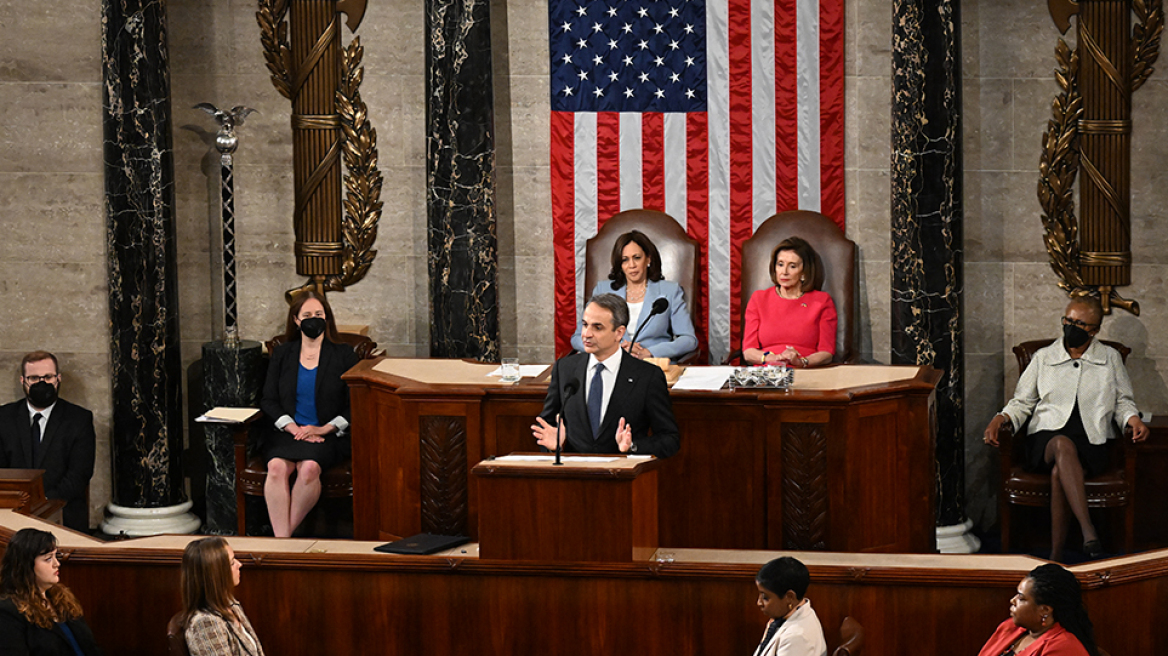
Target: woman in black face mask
x=309, y=403
x=1071, y=392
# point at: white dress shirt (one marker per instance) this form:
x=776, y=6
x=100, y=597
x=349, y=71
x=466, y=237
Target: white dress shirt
x=1053, y=381
x=32, y=412
x=611, y=366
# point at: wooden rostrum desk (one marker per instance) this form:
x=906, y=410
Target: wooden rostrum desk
x=843, y=462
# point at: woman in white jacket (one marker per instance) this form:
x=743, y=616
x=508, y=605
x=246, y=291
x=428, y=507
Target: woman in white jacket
x=794, y=629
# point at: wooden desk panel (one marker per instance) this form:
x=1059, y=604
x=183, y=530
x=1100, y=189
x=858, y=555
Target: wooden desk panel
x=808, y=469
x=305, y=596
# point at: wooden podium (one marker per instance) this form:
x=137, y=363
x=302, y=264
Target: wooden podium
x=590, y=509
x=24, y=490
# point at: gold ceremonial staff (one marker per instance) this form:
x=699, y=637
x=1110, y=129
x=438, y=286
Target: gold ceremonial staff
x=329, y=120
x=1090, y=130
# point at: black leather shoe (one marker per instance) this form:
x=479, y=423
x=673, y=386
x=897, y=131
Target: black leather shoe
x=1093, y=549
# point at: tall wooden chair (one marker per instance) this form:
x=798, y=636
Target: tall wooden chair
x=1111, y=489
x=679, y=254
x=851, y=638
x=251, y=471
x=176, y=639
x=840, y=278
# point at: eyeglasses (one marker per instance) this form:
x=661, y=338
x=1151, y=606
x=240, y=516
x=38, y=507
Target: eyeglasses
x=1079, y=324
x=33, y=380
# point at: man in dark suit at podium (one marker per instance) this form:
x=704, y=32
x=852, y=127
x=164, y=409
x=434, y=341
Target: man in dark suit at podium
x=42, y=431
x=607, y=401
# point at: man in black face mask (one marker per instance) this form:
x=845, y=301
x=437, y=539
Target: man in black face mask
x=42, y=431
x=1072, y=392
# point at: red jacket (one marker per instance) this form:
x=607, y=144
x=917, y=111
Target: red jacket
x=1056, y=641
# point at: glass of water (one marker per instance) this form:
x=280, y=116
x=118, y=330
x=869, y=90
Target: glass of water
x=510, y=370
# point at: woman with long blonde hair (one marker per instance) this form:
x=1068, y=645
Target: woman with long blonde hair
x=214, y=622
x=38, y=615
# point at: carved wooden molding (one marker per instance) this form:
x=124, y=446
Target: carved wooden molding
x=442, y=449
x=804, y=486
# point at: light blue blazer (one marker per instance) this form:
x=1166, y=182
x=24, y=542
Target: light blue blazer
x=667, y=335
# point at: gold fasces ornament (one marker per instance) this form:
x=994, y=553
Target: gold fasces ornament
x=330, y=124
x=1090, y=131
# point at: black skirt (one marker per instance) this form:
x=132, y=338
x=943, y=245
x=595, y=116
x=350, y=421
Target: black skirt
x=281, y=444
x=1093, y=457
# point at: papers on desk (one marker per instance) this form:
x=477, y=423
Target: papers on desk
x=703, y=378
x=227, y=415
x=515, y=458
x=525, y=370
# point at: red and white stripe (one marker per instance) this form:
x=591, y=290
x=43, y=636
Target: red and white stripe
x=771, y=140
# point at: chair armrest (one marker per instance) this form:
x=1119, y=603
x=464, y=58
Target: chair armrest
x=1006, y=446
x=735, y=358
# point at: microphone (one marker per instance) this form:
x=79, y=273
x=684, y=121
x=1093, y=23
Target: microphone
x=660, y=305
x=569, y=389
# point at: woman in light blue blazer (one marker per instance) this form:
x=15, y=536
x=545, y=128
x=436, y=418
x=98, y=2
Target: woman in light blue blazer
x=636, y=277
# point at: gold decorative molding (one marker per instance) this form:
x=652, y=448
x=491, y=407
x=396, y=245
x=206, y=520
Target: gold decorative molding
x=330, y=126
x=1090, y=130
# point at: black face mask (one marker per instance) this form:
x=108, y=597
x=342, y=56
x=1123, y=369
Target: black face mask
x=1074, y=336
x=313, y=327
x=42, y=394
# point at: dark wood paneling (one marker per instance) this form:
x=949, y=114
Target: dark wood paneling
x=366, y=604
x=726, y=486
x=442, y=447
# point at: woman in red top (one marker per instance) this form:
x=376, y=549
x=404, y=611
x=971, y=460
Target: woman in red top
x=792, y=322
x=1047, y=618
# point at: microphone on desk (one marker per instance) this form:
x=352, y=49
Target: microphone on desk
x=659, y=306
x=569, y=389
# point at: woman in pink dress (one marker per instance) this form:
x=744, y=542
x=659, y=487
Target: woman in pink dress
x=792, y=322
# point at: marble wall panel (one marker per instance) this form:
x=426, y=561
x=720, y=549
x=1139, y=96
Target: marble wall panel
x=875, y=320
x=984, y=396
x=526, y=36
x=868, y=223
x=988, y=123
x=51, y=127
x=396, y=111
x=394, y=38
x=529, y=226
x=983, y=228
x=40, y=53
x=202, y=31
x=984, y=287
x=530, y=127
x=1009, y=207
x=533, y=291
x=868, y=117
x=40, y=209
x=869, y=27
x=1031, y=113
x=1015, y=39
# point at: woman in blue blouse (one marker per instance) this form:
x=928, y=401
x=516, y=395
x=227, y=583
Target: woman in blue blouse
x=636, y=277
x=309, y=403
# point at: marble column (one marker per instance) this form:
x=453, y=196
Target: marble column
x=927, y=255
x=145, y=364
x=460, y=181
x=232, y=377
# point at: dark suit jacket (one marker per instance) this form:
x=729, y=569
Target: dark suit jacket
x=66, y=453
x=640, y=396
x=19, y=636
x=332, y=393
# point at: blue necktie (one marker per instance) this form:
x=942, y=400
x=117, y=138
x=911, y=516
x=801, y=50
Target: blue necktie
x=595, y=400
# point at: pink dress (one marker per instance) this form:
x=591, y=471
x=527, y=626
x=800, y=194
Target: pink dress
x=808, y=323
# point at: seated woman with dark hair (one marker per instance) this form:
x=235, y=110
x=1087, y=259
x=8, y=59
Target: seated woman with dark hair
x=636, y=277
x=38, y=615
x=1047, y=618
x=309, y=404
x=793, y=322
x=794, y=629
x=213, y=621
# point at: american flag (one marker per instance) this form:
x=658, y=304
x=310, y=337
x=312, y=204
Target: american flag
x=717, y=112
